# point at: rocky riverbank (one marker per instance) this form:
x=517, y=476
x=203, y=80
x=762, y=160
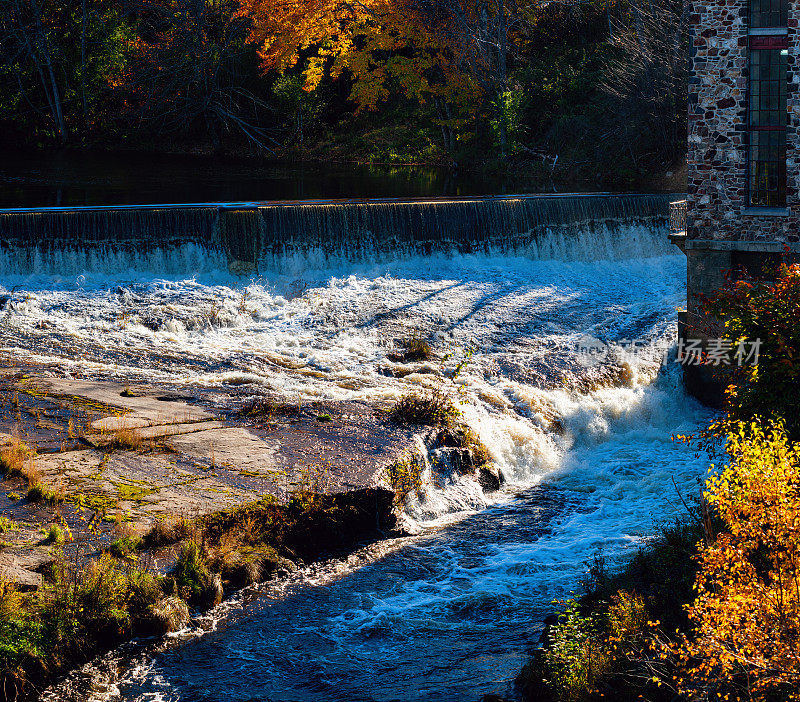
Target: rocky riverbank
x=126, y=504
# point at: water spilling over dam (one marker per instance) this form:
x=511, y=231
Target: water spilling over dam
x=247, y=237
x=504, y=290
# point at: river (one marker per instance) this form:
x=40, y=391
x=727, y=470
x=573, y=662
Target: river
x=71, y=178
x=451, y=611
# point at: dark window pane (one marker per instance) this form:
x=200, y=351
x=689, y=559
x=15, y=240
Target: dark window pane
x=768, y=83
x=767, y=168
x=769, y=13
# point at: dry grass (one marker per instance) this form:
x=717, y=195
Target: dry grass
x=415, y=348
x=259, y=407
x=168, y=531
x=171, y=614
x=126, y=439
x=122, y=529
x=15, y=458
x=430, y=408
x=18, y=459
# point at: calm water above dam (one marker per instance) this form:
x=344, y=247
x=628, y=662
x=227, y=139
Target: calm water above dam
x=450, y=612
x=74, y=178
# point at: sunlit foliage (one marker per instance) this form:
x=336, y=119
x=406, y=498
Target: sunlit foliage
x=746, y=615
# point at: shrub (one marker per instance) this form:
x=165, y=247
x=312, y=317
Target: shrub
x=193, y=579
x=124, y=546
x=605, y=646
x=56, y=535
x=767, y=313
x=38, y=492
x=259, y=407
x=746, y=615
x=429, y=408
x=7, y=524
x=10, y=601
x=144, y=591
x=405, y=475
x=576, y=656
x=102, y=596
x=415, y=348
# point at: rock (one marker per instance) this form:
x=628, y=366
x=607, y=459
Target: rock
x=141, y=410
x=19, y=565
x=489, y=477
x=545, y=638
x=463, y=461
x=268, y=565
x=285, y=566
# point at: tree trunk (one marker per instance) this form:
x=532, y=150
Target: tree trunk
x=83, y=65
x=54, y=97
x=502, y=67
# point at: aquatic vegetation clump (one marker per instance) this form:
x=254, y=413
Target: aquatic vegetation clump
x=429, y=408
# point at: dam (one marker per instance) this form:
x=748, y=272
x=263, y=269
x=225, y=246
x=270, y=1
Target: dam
x=307, y=302
x=251, y=236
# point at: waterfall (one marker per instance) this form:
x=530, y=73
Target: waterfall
x=248, y=237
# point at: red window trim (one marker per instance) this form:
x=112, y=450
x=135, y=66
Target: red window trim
x=769, y=42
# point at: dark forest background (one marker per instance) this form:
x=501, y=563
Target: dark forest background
x=592, y=90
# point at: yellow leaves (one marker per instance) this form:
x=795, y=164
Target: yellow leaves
x=747, y=609
x=383, y=45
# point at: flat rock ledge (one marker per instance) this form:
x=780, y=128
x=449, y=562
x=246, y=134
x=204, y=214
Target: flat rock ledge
x=147, y=456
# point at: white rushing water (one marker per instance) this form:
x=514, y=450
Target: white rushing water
x=585, y=448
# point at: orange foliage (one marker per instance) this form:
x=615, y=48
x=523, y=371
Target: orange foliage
x=746, y=641
x=384, y=45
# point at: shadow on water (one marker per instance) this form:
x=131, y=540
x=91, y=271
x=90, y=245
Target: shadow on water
x=38, y=179
x=446, y=616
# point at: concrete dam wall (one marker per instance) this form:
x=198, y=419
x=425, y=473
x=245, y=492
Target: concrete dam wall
x=248, y=237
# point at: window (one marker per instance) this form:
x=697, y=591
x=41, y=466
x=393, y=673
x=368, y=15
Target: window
x=768, y=169
x=767, y=119
x=769, y=13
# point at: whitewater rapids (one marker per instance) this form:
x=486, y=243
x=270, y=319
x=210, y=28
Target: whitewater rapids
x=447, y=614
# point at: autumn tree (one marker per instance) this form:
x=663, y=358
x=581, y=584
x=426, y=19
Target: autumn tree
x=746, y=639
x=385, y=47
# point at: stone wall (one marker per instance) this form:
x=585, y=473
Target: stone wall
x=717, y=159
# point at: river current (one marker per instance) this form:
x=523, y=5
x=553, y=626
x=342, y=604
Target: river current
x=451, y=611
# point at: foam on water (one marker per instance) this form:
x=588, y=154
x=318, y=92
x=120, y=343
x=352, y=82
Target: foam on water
x=586, y=451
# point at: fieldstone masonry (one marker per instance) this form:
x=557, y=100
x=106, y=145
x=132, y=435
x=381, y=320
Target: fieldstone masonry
x=718, y=139
x=724, y=233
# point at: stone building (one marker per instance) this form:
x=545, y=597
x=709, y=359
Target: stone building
x=742, y=209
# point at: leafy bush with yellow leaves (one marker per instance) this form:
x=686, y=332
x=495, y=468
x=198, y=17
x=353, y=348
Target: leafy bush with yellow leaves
x=746, y=614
